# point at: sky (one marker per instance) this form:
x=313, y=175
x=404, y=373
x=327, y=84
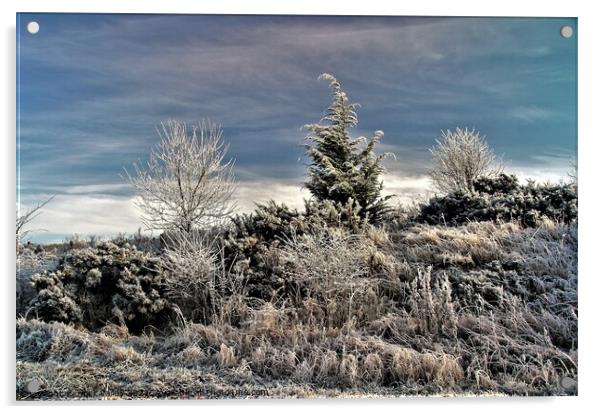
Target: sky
x=93, y=87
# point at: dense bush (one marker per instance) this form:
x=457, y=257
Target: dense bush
x=94, y=285
x=320, y=214
x=30, y=261
x=250, y=244
x=250, y=238
x=503, y=199
x=272, y=222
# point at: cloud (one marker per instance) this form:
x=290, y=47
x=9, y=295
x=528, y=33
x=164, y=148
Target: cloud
x=250, y=193
x=406, y=189
x=94, y=87
x=93, y=189
x=544, y=168
x=541, y=175
x=90, y=210
x=99, y=215
x=531, y=113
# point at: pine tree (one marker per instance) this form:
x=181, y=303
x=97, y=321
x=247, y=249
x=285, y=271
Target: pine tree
x=342, y=168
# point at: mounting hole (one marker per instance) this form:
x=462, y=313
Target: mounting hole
x=33, y=386
x=33, y=27
x=566, y=31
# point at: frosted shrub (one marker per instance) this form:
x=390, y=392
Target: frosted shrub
x=106, y=283
x=460, y=158
x=328, y=260
x=338, y=271
x=503, y=199
x=319, y=214
x=28, y=263
x=190, y=267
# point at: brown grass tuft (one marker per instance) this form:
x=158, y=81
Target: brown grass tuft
x=226, y=356
x=373, y=368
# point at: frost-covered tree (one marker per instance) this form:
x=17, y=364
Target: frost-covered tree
x=460, y=158
x=343, y=168
x=186, y=182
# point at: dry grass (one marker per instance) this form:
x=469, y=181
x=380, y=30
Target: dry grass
x=473, y=244
x=481, y=308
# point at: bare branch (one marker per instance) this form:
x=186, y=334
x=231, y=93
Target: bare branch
x=26, y=218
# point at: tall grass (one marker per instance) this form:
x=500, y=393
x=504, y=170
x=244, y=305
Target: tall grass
x=480, y=308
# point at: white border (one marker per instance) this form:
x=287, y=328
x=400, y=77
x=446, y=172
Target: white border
x=590, y=69
x=339, y=7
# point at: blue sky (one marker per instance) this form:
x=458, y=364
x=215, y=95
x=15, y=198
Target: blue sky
x=92, y=88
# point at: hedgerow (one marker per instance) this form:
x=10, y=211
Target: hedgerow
x=503, y=199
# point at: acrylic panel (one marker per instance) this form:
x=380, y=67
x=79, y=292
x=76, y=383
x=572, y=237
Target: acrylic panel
x=271, y=206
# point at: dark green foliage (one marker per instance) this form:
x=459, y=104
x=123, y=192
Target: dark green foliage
x=327, y=213
x=98, y=284
x=251, y=237
x=251, y=234
x=268, y=222
x=251, y=244
x=503, y=199
x=340, y=169
x=502, y=184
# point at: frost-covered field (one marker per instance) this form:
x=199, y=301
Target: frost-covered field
x=479, y=308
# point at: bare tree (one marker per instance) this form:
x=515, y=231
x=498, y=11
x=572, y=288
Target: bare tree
x=24, y=219
x=459, y=158
x=186, y=182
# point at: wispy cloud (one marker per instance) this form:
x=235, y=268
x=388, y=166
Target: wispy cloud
x=532, y=113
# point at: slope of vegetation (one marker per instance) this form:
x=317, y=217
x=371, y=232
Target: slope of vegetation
x=473, y=292
x=425, y=309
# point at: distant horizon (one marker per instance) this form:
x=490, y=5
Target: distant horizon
x=43, y=237
x=92, y=88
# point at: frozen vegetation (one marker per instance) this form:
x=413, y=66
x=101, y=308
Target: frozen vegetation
x=472, y=292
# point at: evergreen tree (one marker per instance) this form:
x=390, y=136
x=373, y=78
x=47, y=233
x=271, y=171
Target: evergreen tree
x=342, y=168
